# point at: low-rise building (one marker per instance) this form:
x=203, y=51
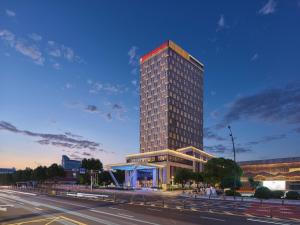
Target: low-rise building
x=7, y=170
x=277, y=174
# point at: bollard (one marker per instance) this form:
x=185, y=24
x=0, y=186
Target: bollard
x=144, y=199
x=282, y=202
x=261, y=201
x=114, y=197
x=271, y=213
x=163, y=203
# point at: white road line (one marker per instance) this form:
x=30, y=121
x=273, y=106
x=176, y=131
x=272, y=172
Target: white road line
x=115, y=208
x=6, y=205
x=38, y=208
x=267, y=221
x=122, y=214
x=18, y=192
x=3, y=209
x=124, y=217
x=211, y=218
x=151, y=209
x=194, y=209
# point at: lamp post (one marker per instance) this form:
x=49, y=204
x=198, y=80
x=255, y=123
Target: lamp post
x=234, y=158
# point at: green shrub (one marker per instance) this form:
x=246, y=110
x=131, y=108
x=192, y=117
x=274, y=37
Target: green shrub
x=292, y=195
x=277, y=194
x=263, y=192
x=231, y=193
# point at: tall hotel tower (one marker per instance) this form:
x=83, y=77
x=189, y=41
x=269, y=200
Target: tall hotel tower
x=171, y=104
x=171, y=120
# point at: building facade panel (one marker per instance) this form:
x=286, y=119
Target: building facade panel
x=171, y=109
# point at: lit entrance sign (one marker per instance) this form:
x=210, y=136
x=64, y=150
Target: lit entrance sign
x=275, y=184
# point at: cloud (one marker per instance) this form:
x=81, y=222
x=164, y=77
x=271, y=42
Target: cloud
x=30, y=51
x=222, y=149
x=215, y=114
x=254, y=57
x=267, y=139
x=56, y=66
x=54, y=49
x=96, y=87
x=268, y=8
x=57, y=140
x=209, y=134
x=10, y=13
x=134, y=82
x=92, y=109
x=23, y=47
x=108, y=116
x=133, y=59
x=221, y=23
x=270, y=105
x=69, y=86
x=35, y=37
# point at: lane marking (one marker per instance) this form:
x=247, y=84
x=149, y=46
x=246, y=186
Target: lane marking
x=115, y=208
x=81, y=215
x=18, y=192
x=33, y=221
x=38, y=208
x=3, y=209
x=122, y=214
x=8, y=205
x=267, y=221
x=124, y=217
x=151, y=209
x=212, y=218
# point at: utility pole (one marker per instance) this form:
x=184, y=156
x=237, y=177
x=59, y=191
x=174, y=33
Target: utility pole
x=91, y=180
x=234, y=158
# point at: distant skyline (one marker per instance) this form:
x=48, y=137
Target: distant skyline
x=69, y=75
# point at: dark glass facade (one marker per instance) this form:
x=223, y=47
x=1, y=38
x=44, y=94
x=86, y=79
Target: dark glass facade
x=171, y=109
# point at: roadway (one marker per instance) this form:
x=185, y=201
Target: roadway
x=30, y=208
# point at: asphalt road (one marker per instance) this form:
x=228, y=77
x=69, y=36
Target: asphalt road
x=28, y=208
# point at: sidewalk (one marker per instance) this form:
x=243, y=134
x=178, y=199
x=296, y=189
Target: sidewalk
x=240, y=199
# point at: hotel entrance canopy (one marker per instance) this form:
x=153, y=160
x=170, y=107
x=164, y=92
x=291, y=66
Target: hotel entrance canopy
x=133, y=166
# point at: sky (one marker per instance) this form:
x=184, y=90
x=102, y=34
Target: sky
x=69, y=75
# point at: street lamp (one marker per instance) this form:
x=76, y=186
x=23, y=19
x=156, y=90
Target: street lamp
x=233, y=147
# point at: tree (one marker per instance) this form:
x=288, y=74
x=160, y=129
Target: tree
x=228, y=182
x=89, y=164
x=120, y=176
x=55, y=171
x=182, y=176
x=217, y=169
x=253, y=184
x=40, y=173
x=92, y=164
x=198, y=177
x=105, y=178
x=263, y=192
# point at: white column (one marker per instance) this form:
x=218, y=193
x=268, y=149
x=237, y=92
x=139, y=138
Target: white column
x=154, y=177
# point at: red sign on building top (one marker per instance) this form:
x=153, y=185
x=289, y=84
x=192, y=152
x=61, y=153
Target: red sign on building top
x=155, y=51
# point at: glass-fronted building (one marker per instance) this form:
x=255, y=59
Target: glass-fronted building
x=69, y=164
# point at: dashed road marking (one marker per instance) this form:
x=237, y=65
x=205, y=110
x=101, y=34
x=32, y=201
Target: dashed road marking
x=212, y=218
x=267, y=221
x=151, y=209
x=122, y=214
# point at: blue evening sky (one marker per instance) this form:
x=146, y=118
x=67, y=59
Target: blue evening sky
x=69, y=75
